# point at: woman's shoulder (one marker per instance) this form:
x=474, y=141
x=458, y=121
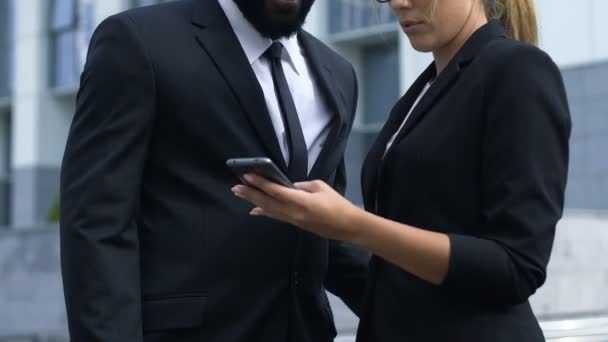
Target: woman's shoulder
x=506, y=56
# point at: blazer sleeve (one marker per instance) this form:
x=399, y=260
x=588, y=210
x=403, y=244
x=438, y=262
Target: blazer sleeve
x=101, y=180
x=524, y=171
x=347, y=274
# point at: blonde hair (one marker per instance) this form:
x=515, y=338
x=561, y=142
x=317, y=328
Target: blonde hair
x=517, y=16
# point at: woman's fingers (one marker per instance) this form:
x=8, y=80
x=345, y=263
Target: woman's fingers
x=266, y=204
x=312, y=187
x=270, y=188
x=274, y=209
x=252, y=195
x=279, y=202
x=259, y=212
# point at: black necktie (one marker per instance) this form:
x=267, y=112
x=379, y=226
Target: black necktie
x=298, y=152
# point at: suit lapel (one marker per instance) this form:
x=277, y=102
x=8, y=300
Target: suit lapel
x=323, y=78
x=215, y=35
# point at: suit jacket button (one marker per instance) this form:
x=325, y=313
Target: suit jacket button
x=296, y=279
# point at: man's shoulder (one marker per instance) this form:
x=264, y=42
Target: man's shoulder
x=159, y=14
x=151, y=24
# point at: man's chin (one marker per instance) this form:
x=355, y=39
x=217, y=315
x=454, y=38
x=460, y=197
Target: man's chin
x=283, y=11
x=276, y=18
x=284, y=6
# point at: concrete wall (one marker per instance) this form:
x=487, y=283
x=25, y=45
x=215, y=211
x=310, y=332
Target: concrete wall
x=574, y=32
x=31, y=297
x=578, y=272
x=41, y=114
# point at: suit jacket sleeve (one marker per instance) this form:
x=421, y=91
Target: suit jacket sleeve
x=524, y=170
x=348, y=264
x=100, y=187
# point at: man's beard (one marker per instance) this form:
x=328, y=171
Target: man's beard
x=274, y=21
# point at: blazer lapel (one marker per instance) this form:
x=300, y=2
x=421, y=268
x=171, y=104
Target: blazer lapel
x=403, y=106
x=215, y=35
x=444, y=81
x=323, y=78
x=373, y=162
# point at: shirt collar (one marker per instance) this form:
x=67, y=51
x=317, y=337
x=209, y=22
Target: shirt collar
x=253, y=43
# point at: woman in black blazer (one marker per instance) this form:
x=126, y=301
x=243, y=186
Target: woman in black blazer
x=463, y=187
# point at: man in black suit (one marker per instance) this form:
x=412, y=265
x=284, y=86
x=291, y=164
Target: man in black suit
x=154, y=245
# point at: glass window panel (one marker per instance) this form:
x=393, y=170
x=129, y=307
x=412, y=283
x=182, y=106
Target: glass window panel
x=87, y=15
x=63, y=14
x=5, y=167
x=341, y=13
x=65, y=62
x=71, y=31
x=4, y=23
x=11, y=43
x=6, y=48
x=4, y=73
x=85, y=29
x=335, y=14
x=10, y=21
x=355, y=18
x=366, y=14
x=387, y=14
x=347, y=15
x=381, y=77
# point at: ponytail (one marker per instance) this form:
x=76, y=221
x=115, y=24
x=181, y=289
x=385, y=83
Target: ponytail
x=517, y=16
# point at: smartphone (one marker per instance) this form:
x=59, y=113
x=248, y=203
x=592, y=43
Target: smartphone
x=261, y=166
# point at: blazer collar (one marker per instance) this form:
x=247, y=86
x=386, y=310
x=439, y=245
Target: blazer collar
x=321, y=69
x=472, y=47
x=478, y=41
x=215, y=35
x=208, y=12
x=374, y=164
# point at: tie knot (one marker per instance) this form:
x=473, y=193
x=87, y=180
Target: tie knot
x=275, y=51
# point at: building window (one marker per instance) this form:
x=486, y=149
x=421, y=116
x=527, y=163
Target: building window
x=6, y=47
x=71, y=26
x=350, y=15
x=5, y=168
x=381, y=77
x=367, y=33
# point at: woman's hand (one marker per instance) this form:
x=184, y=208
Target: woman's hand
x=316, y=207
x=313, y=206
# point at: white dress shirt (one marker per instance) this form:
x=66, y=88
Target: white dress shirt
x=312, y=109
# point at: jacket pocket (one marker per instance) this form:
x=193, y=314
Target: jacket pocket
x=173, y=313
